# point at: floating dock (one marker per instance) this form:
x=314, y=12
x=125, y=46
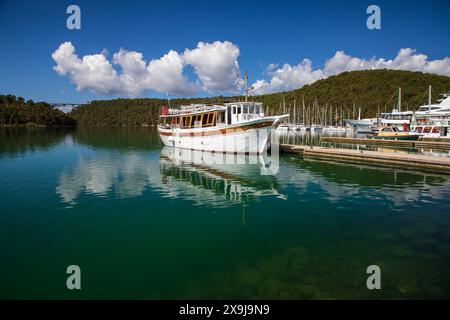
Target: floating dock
x=419, y=144
x=404, y=160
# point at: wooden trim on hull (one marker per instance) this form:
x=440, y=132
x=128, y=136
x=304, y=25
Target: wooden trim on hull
x=222, y=131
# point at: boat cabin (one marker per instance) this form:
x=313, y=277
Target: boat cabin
x=204, y=116
x=388, y=130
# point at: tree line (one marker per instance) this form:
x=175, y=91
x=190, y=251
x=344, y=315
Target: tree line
x=16, y=111
x=335, y=97
x=343, y=95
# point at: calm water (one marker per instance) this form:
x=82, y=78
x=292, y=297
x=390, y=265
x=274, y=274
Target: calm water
x=146, y=222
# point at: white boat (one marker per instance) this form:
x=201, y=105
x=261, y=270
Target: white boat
x=361, y=125
x=431, y=131
x=439, y=111
x=433, y=120
x=283, y=127
x=396, y=119
x=238, y=127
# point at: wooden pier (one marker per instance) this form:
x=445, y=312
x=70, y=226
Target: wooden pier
x=404, y=160
x=419, y=144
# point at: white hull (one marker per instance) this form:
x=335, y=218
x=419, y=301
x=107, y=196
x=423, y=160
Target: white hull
x=361, y=126
x=248, y=137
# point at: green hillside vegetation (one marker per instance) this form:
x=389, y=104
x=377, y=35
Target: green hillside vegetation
x=343, y=95
x=370, y=90
x=16, y=111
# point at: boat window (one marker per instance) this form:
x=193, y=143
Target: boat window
x=234, y=109
x=257, y=109
x=245, y=109
x=387, y=130
x=252, y=109
x=197, y=120
x=221, y=117
x=239, y=110
x=204, y=119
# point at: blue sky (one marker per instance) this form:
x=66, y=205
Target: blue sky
x=281, y=32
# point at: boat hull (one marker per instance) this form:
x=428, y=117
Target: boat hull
x=410, y=137
x=251, y=137
x=361, y=126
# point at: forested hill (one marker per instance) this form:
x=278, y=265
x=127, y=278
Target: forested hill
x=368, y=90
x=16, y=111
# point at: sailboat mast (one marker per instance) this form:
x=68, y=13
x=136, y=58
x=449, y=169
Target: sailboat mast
x=429, y=99
x=303, y=109
x=399, y=99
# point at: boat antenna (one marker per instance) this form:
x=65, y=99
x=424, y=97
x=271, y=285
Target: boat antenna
x=247, y=89
x=168, y=99
x=246, y=85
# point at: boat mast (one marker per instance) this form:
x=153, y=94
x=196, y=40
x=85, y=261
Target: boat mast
x=429, y=99
x=246, y=86
x=399, y=99
x=303, y=109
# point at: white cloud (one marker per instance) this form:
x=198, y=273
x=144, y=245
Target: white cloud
x=92, y=72
x=288, y=77
x=215, y=64
x=292, y=77
x=216, y=67
x=166, y=75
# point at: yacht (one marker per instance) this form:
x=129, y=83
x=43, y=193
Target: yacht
x=361, y=125
x=238, y=127
x=433, y=119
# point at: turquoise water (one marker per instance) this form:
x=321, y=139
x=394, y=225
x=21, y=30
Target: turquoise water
x=143, y=221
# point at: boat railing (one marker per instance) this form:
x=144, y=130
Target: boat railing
x=195, y=109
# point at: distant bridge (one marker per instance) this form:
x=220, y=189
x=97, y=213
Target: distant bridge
x=65, y=107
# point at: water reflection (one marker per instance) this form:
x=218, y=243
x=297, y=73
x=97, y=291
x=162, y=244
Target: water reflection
x=123, y=174
x=339, y=181
x=15, y=141
x=174, y=173
x=208, y=180
x=216, y=180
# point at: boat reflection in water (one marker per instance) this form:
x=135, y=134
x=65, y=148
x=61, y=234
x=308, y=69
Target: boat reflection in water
x=205, y=178
x=217, y=180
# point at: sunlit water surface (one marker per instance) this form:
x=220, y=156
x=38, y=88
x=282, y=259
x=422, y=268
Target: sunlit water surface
x=143, y=221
